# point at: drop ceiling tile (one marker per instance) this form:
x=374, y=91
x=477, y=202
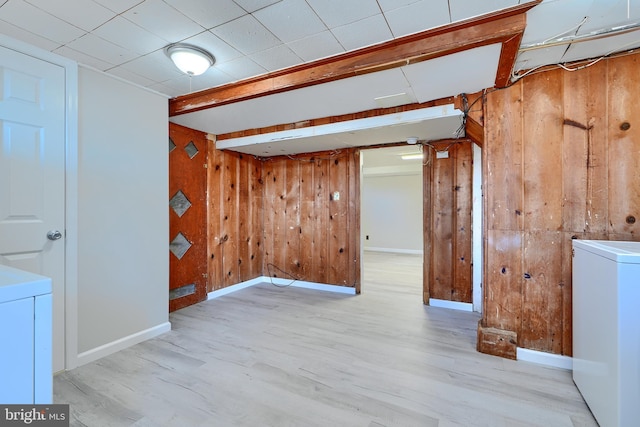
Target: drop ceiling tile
x=535, y=58
x=26, y=36
x=97, y=47
x=213, y=77
x=276, y=58
x=604, y=15
x=246, y=34
x=362, y=33
x=551, y=19
x=215, y=45
x=253, y=5
x=464, y=9
x=208, y=14
x=449, y=75
x=317, y=46
x=335, y=13
x=119, y=6
x=167, y=90
x=83, y=58
x=387, y=5
x=128, y=35
x=241, y=68
x=39, y=22
x=601, y=47
x=155, y=66
x=418, y=16
x=290, y=20
x=131, y=76
x=163, y=20
x=85, y=14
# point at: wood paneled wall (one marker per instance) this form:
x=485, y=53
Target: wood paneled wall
x=311, y=223
x=561, y=161
x=234, y=218
x=447, y=222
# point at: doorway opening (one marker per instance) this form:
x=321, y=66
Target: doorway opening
x=391, y=218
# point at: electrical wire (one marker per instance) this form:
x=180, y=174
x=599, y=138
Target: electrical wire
x=295, y=279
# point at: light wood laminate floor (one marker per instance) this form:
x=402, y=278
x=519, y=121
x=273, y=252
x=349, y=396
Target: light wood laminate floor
x=270, y=356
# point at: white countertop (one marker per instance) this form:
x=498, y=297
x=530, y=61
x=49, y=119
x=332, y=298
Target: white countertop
x=17, y=284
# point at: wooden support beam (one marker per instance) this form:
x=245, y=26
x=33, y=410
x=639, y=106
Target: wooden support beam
x=474, y=131
x=506, y=27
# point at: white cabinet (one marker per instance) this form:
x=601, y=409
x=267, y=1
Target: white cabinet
x=606, y=329
x=26, y=337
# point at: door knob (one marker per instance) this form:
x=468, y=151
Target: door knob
x=54, y=235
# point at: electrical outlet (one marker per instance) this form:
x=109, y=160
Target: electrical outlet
x=366, y=237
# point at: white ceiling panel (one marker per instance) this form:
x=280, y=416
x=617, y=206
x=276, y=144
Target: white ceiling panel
x=131, y=77
x=83, y=58
x=335, y=13
x=606, y=14
x=202, y=12
x=37, y=21
x=601, y=47
x=537, y=57
x=554, y=18
x=316, y=46
x=463, y=9
x=334, y=98
x=451, y=75
x=89, y=44
x=290, y=20
x=428, y=123
x=163, y=20
x=387, y=5
x=366, y=32
x=276, y=58
x=118, y=6
x=154, y=66
x=85, y=14
x=221, y=50
x=253, y=5
x=241, y=68
x=246, y=34
x=128, y=35
x=18, y=33
x=418, y=16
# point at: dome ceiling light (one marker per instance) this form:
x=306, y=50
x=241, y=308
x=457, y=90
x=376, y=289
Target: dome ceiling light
x=189, y=59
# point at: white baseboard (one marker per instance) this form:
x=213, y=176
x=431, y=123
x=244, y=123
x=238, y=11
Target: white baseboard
x=281, y=282
x=233, y=288
x=122, y=343
x=310, y=285
x=543, y=358
x=454, y=305
x=394, y=250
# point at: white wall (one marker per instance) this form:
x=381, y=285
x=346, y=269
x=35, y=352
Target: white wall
x=123, y=221
x=391, y=213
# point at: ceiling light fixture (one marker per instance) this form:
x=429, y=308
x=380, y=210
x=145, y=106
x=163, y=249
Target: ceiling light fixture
x=189, y=59
x=417, y=156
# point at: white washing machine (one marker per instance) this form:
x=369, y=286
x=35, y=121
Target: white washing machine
x=606, y=329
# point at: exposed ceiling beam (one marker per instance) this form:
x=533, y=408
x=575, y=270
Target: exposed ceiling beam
x=505, y=26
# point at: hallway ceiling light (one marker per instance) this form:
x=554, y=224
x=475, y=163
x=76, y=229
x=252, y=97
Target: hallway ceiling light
x=417, y=156
x=190, y=59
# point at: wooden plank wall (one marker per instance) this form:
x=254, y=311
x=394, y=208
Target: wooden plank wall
x=560, y=161
x=447, y=222
x=311, y=221
x=234, y=218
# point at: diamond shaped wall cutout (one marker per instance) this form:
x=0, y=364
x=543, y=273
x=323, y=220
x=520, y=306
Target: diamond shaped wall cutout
x=191, y=150
x=179, y=246
x=172, y=145
x=179, y=203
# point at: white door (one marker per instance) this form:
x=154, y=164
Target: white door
x=32, y=175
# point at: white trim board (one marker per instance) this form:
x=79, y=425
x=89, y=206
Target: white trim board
x=281, y=283
x=544, y=358
x=453, y=305
x=394, y=250
x=122, y=343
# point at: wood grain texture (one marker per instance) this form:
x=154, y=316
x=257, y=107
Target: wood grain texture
x=573, y=174
x=268, y=356
x=504, y=26
x=189, y=176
